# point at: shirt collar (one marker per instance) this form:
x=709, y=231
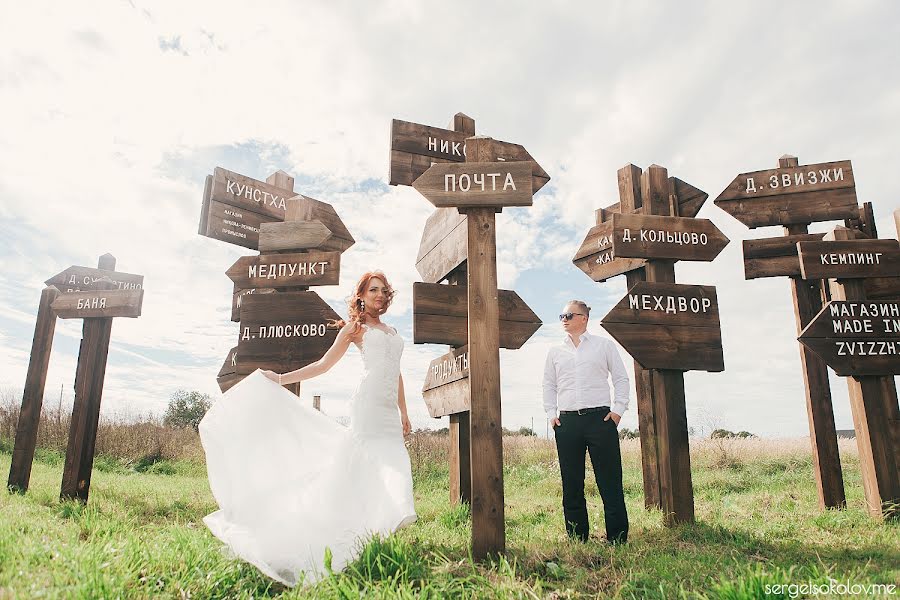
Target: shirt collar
x=568, y=339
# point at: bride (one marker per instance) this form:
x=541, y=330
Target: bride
x=292, y=484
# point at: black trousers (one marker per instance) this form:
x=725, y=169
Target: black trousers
x=589, y=432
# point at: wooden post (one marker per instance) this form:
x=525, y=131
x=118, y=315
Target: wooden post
x=873, y=402
x=807, y=296
x=89, y=377
x=317, y=402
x=675, y=486
x=460, y=446
x=630, y=200
x=486, y=437
x=33, y=396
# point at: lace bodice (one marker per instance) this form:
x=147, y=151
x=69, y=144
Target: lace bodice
x=374, y=410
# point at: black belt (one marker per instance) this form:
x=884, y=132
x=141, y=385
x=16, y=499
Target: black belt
x=582, y=411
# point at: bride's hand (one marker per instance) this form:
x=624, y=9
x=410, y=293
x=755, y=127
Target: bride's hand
x=273, y=376
x=407, y=426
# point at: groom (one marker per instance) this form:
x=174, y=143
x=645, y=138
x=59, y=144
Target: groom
x=575, y=385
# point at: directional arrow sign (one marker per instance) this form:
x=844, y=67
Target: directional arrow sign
x=446, y=389
x=669, y=326
x=293, y=235
x=444, y=245
x=99, y=303
x=235, y=225
x=678, y=238
x=415, y=147
x=237, y=299
x=440, y=316
x=595, y=256
x=775, y=257
x=783, y=196
x=250, y=194
x=857, y=338
x=76, y=279
x=477, y=184
x=283, y=331
x=286, y=270
x=850, y=259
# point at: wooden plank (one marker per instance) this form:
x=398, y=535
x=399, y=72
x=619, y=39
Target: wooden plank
x=793, y=180
x=284, y=331
x=460, y=458
x=595, y=256
x=501, y=184
x=293, y=235
x=442, y=248
x=237, y=299
x=286, y=270
x=434, y=142
x=204, y=206
x=677, y=238
x=690, y=198
x=670, y=347
x=79, y=279
x=234, y=225
x=248, y=194
x=849, y=259
x=878, y=288
x=99, y=303
x=496, y=150
x=672, y=304
x=448, y=399
x=33, y=394
x=447, y=369
x=229, y=367
x=440, y=316
x=488, y=531
x=89, y=376
x=775, y=257
x=857, y=338
x=303, y=208
x=873, y=402
x=226, y=382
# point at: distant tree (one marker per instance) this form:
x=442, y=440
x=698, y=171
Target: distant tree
x=721, y=433
x=744, y=434
x=526, y=431
x=628, y=434
x=186, y=409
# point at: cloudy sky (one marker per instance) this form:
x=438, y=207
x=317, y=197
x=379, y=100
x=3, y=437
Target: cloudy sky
x=116, y=111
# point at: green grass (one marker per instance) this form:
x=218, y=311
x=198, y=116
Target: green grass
x=758, y=523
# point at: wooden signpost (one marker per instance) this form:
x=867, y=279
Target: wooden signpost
x=860, y=339
x=283, y=326
x=666, y=327
x=795, y=196
x=475, y=177
x=97, y=296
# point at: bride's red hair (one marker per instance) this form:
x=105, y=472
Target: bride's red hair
x=355, y=303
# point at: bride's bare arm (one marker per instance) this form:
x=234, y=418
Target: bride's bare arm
x=401, y=402
x=351, y=332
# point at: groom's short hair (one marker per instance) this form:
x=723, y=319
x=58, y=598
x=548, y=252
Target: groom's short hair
x=580, y=304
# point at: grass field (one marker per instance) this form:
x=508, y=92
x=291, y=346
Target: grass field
x=758, y=523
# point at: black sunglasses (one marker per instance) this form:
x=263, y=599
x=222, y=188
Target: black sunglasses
x=568, y=316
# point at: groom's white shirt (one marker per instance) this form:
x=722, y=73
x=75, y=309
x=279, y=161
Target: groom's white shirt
x=576, y=378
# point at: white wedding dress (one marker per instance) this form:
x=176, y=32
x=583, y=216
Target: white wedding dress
x=291, y=482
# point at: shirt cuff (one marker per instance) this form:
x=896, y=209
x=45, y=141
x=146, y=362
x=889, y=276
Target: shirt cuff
x=619, y=407
x=551, y=414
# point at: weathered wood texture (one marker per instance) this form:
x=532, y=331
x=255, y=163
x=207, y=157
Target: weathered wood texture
x=676, y=238
x=446, y=387
x=455, y=185
x=460, y=458
x=876, y=420
x=293, y=235
x=237, y=299
x=204, y=206
x=677, y=339
x=595, y=255
x=851, y=259
x=488, y=528
x=79, y=279
x=283, y=331
x=33, y=395
x=775, y=257
x=89, y=376
x=303, y=208
x=286, y=270
x=440, y=316
x=443, y=245
x=250, y=194
x=234, y=225
x=99, y=303
x=828, y=194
